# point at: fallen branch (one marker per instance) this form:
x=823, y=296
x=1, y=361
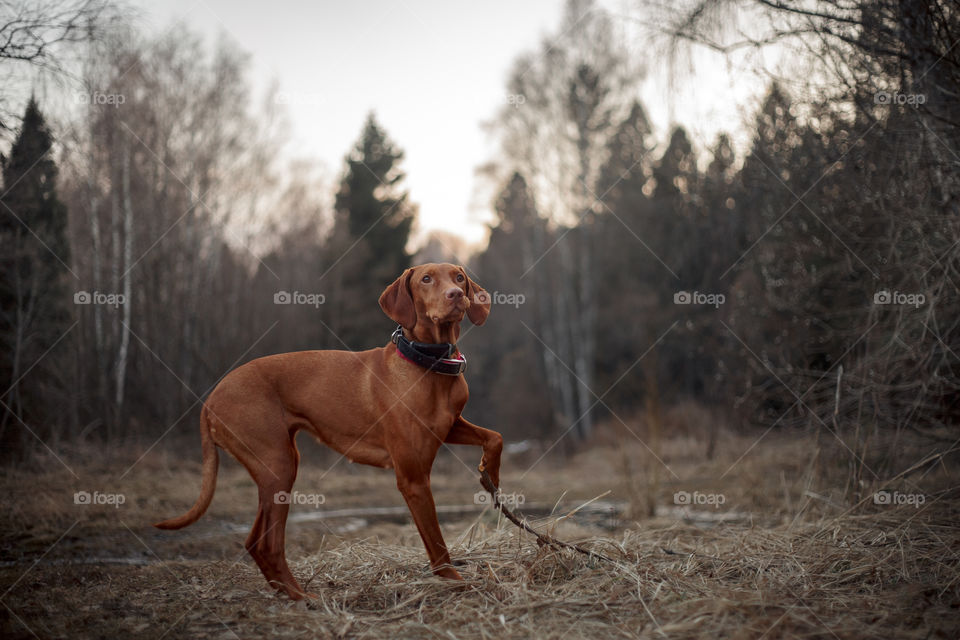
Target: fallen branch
x=542, y=538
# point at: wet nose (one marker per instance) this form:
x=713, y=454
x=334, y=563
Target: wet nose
x=454, y=293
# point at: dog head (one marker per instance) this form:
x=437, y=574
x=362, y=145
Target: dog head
x=430, y=299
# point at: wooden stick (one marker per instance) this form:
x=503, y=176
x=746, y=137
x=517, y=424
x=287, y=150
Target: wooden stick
x=542, y=538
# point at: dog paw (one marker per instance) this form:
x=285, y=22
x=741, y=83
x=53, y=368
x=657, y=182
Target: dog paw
x=448, y=572
x=297, y=594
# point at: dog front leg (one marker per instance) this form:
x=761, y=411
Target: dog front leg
x=464, y=432
x=414, y=484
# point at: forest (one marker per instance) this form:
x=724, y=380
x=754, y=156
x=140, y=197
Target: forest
x=801, y=288
x=166, y=195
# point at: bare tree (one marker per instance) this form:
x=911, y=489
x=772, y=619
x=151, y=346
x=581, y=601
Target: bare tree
x=563, y=103
x=162, y=168
x=874, y=156
x=37, y=34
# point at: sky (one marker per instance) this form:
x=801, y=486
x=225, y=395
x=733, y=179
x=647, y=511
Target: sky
x=433, y=71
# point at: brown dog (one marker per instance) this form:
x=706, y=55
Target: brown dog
x=376, y=407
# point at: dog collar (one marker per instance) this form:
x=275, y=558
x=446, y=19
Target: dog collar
x=433, y=356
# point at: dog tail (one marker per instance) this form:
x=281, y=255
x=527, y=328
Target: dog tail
x=211, y=460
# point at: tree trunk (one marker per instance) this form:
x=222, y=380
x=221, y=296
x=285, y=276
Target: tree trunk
x=121, y=368
x=115, y=264
x=99, y=349
x=584, y=344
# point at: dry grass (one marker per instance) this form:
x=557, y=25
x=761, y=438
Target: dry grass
x=789, y=564
x=873, y=580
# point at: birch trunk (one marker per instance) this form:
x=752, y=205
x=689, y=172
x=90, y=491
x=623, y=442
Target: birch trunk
x=564, y=319
x=115, y=258
x=99, y=356
x=585, y=340
x=122, y=353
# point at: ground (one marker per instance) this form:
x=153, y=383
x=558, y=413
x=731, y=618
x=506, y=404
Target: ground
x=778, y=545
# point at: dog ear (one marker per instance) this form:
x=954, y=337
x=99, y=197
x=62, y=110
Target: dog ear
x=397, y=302
x=479, y=299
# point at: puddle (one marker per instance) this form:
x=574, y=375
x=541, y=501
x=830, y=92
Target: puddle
x=137, y=561
x=606, y=515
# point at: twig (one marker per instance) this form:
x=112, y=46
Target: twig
x=923, y=463
x=542, y=538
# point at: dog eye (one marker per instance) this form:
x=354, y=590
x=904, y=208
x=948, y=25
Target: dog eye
x=459, y=277
x=425, y=279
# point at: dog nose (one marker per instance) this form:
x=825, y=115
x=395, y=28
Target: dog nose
x=454, y=293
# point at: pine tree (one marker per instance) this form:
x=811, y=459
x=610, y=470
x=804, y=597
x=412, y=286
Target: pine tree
x=514, y=207
x=721, y=221
x=628, y=262
x=374, y=218
x=372, y=203
x=509, y=364
x=624, y=174
x=34, y=305
x=676, y=172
